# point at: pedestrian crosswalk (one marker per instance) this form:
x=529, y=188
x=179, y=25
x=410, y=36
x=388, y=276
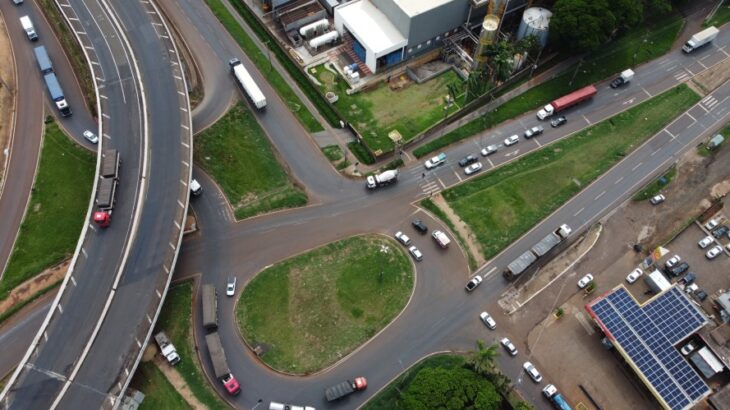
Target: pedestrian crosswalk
x=430, y=187
x=709, y=102
x=681, y=76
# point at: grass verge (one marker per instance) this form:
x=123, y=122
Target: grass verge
x=176, y=320
x=17, y=307
x=637, y=46
x=237, y=154
x=655, y=186
x=72, y=49
x=159, y=393
x=262, y=62
x=335, y=155
x=311, y=310
x=439, y=213
x=56, y=209
x=721, y=17
x=501, y=205
x=361, y=152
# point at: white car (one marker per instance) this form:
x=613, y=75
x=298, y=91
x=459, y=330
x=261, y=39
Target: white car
x=473, y=283
x=711, y=224
x=532, y=372
x=91, y=137
x=473, y=168
x=511, y=140
x=634, y=275
x=712, y=253
x=705, y=242
x=585, y=280
x=488, y=320
x=688, y=348
x=435, y=161
x=402, y=238
x=673, y=261
x=491, y=149
x=417, y=255
x=657, y=199
x=231, y=286
x=509, y=346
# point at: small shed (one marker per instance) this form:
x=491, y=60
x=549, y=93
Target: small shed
x=657, y=282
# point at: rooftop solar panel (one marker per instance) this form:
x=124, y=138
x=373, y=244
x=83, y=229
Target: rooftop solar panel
x=647, y=335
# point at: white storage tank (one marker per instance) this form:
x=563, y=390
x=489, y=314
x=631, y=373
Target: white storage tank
x=313, y=28
x=326, y=38
x=535, y=21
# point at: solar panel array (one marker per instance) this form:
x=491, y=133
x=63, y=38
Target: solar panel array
x=648, y=335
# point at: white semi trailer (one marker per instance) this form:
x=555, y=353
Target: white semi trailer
x=246, y=82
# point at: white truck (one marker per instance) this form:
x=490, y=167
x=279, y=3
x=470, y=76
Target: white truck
x=623, y=78
x=700, y=39
x=382, y=179
x=441, y=239
x=167, y=348
x=246, y=82
x=28, y=28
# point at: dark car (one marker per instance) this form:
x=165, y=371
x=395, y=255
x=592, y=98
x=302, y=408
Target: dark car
x=701, y=295
x=679, y=269
x=419, y=226
x=720, y=231
x=556, y=122
x=687, y=279
x=469, y=159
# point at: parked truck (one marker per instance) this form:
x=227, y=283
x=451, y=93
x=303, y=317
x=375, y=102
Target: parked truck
x=545, y=245
x=345, y=388
x=700, y=39
x=106, y=190
x=623, y=78
x=246, y=82
x=220, y=364
x=54, y=88
x=28, y=28
x=167, y=348
x=566, y=101
x=382, y=179
x=441, y=239
x=551, y=392
x=210, y=307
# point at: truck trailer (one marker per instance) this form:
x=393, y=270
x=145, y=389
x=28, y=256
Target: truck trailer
x=246, y=82
x=566, y=101
x=167, y=348
x=382, y=179
x=700, y=39
x=545, y=245
x=345, y=388
x=210, y=307
x=107, y=189
x=110, y=164
x=220, y=364
x=551, y=392
x=52, y=84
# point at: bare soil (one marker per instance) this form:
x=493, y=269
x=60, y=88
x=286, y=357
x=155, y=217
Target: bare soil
x=32, y=286
x=7, y=97
x=466, y=234
x=173, y=376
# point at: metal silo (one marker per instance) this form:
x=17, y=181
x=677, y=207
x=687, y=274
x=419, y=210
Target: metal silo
x=488, y=36
x=535, y=21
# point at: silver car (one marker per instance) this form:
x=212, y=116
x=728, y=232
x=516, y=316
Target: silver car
x=91, y=137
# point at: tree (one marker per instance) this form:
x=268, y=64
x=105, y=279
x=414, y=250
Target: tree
x=628, y=13
x=529, y=44
x=581, y=25
x=455, y=388
x=657, y=7
x=524, y=406
x=482, y=360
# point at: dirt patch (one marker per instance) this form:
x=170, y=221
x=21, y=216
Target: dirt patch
x=32, y=286
x=7, y=96
x=177, y=381
x=714, y=76
x=466, y=234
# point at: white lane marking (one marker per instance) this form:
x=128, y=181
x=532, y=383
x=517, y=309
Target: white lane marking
x=458, y=176
x=579, y=211
x=585, y=118
x=600, y=195
x=618, y=180
x=490, y=162
x=636, y=166
x=657, y=150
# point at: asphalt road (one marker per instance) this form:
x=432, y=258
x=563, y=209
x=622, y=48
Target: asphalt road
x=243, y=249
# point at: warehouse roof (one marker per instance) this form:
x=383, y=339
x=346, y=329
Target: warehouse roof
x=371, y=27
x=416, y=7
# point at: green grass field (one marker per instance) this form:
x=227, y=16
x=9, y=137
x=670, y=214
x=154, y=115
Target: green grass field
x=176, y=321
x=501, y=205
x=376, y=112
x=721, y=17
x=237, y=154
x=159, y=393
x=313, y=309
x=637, y=46
x=56, y=209
x=262, y=62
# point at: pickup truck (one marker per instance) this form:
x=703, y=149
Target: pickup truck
x=167, y=348
x=345, y=388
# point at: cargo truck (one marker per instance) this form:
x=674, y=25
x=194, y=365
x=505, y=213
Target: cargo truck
x=700, y=39
x=167, y=348
x=220, y=364
x=551, y=392
x=28, y=28
x=246, y=82
x=345, y=388
x=210, y=307
x=382, y=179
x=623, y=78
x=54, y=88
x=524, y=261
x=576, y=97
x=107, y=188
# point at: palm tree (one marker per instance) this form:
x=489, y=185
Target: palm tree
x=482, y=360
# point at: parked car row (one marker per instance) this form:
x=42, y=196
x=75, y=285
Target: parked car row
x=440, y=237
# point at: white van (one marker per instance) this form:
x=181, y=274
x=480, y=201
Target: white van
x=28, y=27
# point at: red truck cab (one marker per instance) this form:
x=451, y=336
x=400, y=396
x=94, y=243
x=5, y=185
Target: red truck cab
x=231, y=384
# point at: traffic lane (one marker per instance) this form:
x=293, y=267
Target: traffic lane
x=17, y=336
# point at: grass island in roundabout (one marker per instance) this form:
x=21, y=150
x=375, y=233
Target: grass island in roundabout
x=309, y=311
